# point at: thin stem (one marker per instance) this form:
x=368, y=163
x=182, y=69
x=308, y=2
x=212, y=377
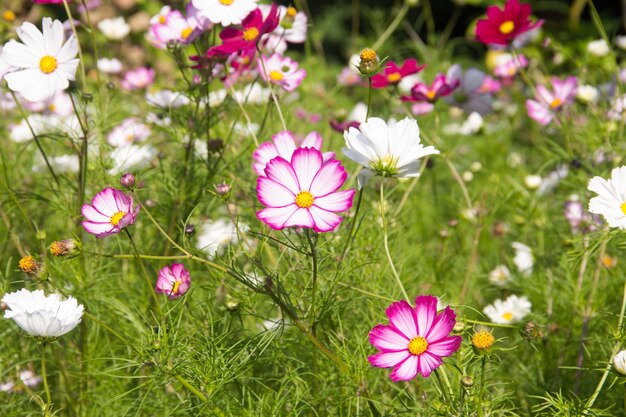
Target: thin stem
x=271, y=86
x=313, y=253
x=143, y=270
x=191, y=388
x=386, y=241
x=392, y=27
x=444, y=391
x=483, y=365
x=80, y=51
x=369, y=97
x=44, y=377
x=353, y=223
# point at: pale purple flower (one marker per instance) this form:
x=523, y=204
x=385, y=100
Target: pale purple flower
x=468, y=95
x=138, y=79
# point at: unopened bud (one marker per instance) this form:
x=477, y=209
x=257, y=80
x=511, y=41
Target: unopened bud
x=483, y=341
x=190, y=230
x=467, y=381
x=127, y=180
x=368, y=64
x=223, y=190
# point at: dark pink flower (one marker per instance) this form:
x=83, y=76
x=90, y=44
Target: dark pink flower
x=110, y=211
x=503, y=26
x=392, y=74
x=440, y=87
x=173, y=281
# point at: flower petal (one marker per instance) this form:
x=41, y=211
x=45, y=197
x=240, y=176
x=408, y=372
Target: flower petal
x=388, y=359
x=386, y=338
x=306, y=163
x=406, y=370
x=402, y=318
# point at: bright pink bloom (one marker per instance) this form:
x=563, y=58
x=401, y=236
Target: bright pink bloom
x=502, y=26
x=174, y=281
x=282, y=71
x=284, y=145
x=440, y=87
x=547, y=104
x=246, y=38
x=303, y=192
x=110, y=211
x=138, y=79
x=392, y=74
x=415, y=340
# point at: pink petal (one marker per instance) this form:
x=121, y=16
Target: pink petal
x=445, y=347
x=281, y=171
x=97, y=228
x=328, y=179
x=428, y=363
x=276, y=217
x=264, y=153
x=93, y=215
x=338, y=202
x=388, y=359
x=300, y=217
x=442, y=326
x=386, y=338
x=272, y=194
x=312, y=140
x=324, y=221
x=104, y=202
x=402, y=317
x=285, y=144
x=406, y=370
x=425, y=311
x=306, y=163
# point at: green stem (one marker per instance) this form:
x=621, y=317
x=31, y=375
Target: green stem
x=444, y=391
x=386, y=241
x=355, y=219
x=44, y=377
x=313, y=254
x=191, y=388
x=481, y=392
x=143, y=270
x=80, y=51
x=369, y=97
x=392, y=27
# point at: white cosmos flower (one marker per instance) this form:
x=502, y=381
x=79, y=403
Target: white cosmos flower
x=509, y=311
x=110, y=66
x=60, y=164
x=131, y=130
x=392, y=150
x=215, y=236
x=167, y=99
x=611, y=199
x=587, y=93
x=4, y=67
x=128, y=157
x=598, y=48
x=500, y=275
x=619, y=362
x=41, y=315
x=225, y=12
x=523, y=258
x=42, y=64
x=620, y=42
x=115, y=28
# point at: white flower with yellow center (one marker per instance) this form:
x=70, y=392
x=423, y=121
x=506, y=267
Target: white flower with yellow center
x=225, y=12
x=115, y=28
x=42, y=64
x=509, y=311
x=611, y=199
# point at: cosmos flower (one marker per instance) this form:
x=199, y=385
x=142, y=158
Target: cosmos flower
x=507, y=65
x=213, y=237
x=137, y=79
x=131, y=157
x=598, y=48
x=60, y=104
x=390, y=150
x=176, y=28
x=547, y=103
x=611, y=199
x=392, y=74
x=302, y=192
x=523, y=258
x=114, y=28
x=110, y=211
x=167, y=99
x=440, y=87
x=110, y=66
x=41, y=315
x=282, y=71
x=619, y=362
x=43, y=64
x=225, y=12
x=174, y=281
x=512, y=310
x=503, y=26
x=292, y=29
x=500, y=275
x=131, y=130
x=415, y=340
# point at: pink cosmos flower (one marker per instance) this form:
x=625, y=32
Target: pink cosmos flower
x=284, y=145
x=292, y=29
x=490, y=85
x=282, y=71
x=138, y=79
x=503, y=26
x=349, y=77
x=174, y=281
x=392, y=74
x=415, y=340
x=547, y=104
x=131, y=130
x=440, y=87
x=303, y=192
x=176, y=29
x=246, y=38
x=507, y=66
x=110, y=211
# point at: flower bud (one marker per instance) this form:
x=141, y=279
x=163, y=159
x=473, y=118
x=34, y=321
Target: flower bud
x=467, y=381
x=29, y=265
x=223, y=190
x=290, y=17
x=482, y=341
x=190, y=230
x=532, y=331
x=368, y=64
x=63, y=247
x=127, y=180
x=9, y=16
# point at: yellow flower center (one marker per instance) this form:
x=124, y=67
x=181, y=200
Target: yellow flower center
x=8, y=15
x=162, y=19
x=250, y=34
x=368, y=55
x=175, y=287
x=418, y=345
x=556, y=103
x=508, y=316
x=186, y=32
x=291, y=12
x=56, y=249
x=394, y=77
x=507, y=27
x=276, y=76
x=226, y=2
x=483, y=340
x=28, y=264
x=52, y=107
x=115, y=219
x=48, y=64
x=430, y=94
x=304, y=199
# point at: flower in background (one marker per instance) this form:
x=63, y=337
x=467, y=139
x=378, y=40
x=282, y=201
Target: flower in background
x=618, y=109
x=503, y=26
x=341, y=122
x=415, y=340
x=4, y=67
x=131, y=130
x=167, y=99
x=512, y=310
x=215, y=236
x=468, y=94
x=282, y=71
x=580, y=220
x=302, y=192
x=114, y=28
x=523, y=258
x=611, y=199
x=469, y=127
x=110, y=211
x=440, y=87
x=246, y=38
x=389, y=150
x=619, y=362
x=284, y=145
x=547, y=103
x=507, y=65
x=137, y=79
x=292, y=29
x=131, y=157
x=392, y=74
x=587, y=93
x=349, y=77
x=41, y=315
x=43, y=64
x=490, y=85
x=500, y=275
x=598, y=48
x=173, y=281
x=176, y=28
x=60, y=104
x=225, y=12
x=60, y=164
x=110, y=66
x=162, y=16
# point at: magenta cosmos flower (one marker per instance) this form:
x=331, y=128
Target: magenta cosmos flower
x=440, y=87
x=110, y=211
x=303, y=192
x=393, y=74
x=501, y=27
x=415, y=340
x=549, y=103
x=282, y=71
x=284, y=145
x=173, y=281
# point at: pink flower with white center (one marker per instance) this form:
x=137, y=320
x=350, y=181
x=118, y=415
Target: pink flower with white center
x=177, y=29
x=507, y=65
x=162, y=16
x=138, y=79
x=173, y=281
x=440, y=87
x=225, y=12
x=548, y=103
x=110, y=211
x=129, y=131
x=415, y=340
x=284, y=145
x=303, y=192
x=282, y=71
x=292, y=29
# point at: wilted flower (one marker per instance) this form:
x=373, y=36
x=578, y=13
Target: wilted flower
x=503, y=26
x=29, y=265
x=41, y=315
x=173, y=281
x=63, y=247
x=483, y=341
x=415, y=340
x=282, y=71
x=110, y=211
x=512, y=310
